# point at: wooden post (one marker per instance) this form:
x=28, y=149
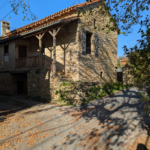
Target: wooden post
x=40, y=47
x=54, y=49
x=54, y=53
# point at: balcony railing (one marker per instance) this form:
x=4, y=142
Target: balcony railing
x=34, y=61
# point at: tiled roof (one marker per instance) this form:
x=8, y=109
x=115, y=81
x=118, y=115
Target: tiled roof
x=124, y=59
x=49, y=19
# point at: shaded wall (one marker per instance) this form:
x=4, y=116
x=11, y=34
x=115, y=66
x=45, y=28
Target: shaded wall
x=8, y=82
x=66, y=54
x=38, y=80
x=8, y=61
x=106, y=62
x=127, y=77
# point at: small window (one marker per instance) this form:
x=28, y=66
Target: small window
x=88, y=43
x=94, y=22
x=6, y=46
x=101, y=74
x=43, y=49
x=22, y=51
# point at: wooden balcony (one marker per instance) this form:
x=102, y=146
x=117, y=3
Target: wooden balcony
x=34, y=61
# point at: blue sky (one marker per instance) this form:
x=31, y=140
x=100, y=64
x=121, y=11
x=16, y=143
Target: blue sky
x=43, y=8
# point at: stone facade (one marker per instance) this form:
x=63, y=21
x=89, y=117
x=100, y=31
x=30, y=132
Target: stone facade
x=69, y=58
x=76, y=94
x=9, y=81
x=106, y=62
x=126, y=76
x=38, y=81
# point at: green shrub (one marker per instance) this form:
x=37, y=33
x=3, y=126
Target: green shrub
x=93, y=92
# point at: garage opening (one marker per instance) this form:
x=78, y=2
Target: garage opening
x=20, y=83
x=20, y=87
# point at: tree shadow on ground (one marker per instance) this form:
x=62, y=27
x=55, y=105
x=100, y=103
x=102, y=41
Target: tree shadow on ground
x=116, y=118
x=113, y=123
x=9, y=107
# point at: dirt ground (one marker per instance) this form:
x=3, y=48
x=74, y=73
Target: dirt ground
x=115, y=122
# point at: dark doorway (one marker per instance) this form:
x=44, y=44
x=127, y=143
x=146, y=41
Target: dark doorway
x=22, y=51
x=20, y=83
x=119, y=77
x=20, y=87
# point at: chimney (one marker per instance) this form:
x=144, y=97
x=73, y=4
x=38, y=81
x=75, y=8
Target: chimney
x=5, y=28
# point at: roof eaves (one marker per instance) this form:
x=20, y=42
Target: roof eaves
x=52, y=24
x=62, y=21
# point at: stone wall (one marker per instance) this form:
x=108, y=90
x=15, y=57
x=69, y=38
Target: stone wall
x=7, y=83
x=76, y=94
x=69, y=56
x=127, y=77
x=66, y=54
x=90, y=65
x=38, y=81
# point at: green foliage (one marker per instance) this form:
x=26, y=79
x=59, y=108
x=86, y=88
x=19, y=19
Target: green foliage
x=79, y=81
x=68, y=89
x=64, y=92
x=96, y=92
x=22, y=5
x=132, y=13
x=139, y=64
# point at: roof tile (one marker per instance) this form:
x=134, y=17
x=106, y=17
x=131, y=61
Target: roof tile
x=49, y=19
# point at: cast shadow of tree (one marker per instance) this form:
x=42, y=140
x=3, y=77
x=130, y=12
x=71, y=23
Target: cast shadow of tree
x=102, y=123
x=115, y=121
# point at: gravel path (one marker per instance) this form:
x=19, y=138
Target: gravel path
x=112, y=123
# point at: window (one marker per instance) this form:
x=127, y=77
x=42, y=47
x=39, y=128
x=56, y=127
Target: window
x=94, y=22
x=43, y=49
x=6, y=46
x=22, y=51
x=88, y=43
x=101, y=74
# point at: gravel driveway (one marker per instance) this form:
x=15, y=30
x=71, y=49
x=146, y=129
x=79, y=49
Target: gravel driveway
x=112, y=123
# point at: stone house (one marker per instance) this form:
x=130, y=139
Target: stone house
x=36, y=58
x=124, y=61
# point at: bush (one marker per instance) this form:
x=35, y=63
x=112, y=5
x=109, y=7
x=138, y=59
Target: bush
x=67, y=89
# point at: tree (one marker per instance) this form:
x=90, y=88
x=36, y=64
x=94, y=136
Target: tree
x=139, y=58
x=125, y=14
x=22, y=5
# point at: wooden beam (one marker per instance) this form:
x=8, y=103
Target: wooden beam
x=42, y=35
x=39, y=37
x=54, y=33
x=44, y=30
x=51, y=33
x=54, y=52
x=57, y=31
